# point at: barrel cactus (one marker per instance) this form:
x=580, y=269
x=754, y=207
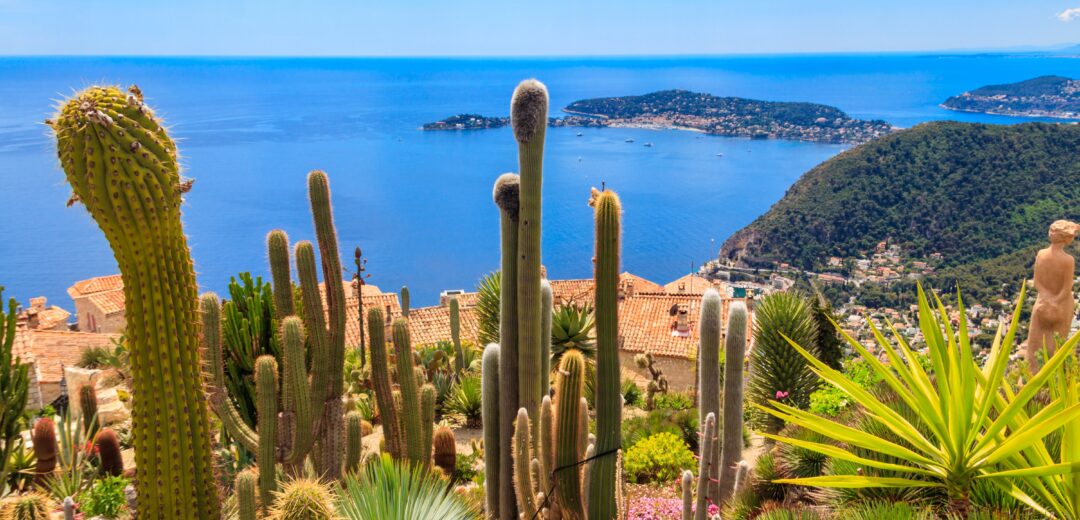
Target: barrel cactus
x=122, y=166
x=107, y=446
x=43, y=437
x=444, y=450
x=32, y=506
x=88, y=405
x=303, y=499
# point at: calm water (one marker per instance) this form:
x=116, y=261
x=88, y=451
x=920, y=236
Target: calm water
x=419, y=203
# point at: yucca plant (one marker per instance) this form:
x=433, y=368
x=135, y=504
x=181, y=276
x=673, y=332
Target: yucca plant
x=572, y=328
x=973, y=430
x=487, y=308
x=465, y=400
x=776, y=371
x=388, y=489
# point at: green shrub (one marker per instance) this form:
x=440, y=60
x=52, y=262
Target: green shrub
x=830, y=400
x=673, y=401
x=683, y=423
x=465, y=400
x=883, y=510
x=105, y=498
x=661, y=457
x=631, y=394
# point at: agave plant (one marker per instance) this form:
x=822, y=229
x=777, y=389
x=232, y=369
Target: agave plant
x=387, y=489
x=572, y=328
x=465, y=400
x=975, y=430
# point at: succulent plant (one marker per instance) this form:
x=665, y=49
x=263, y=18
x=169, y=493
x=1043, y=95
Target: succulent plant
x=245, y=495
x=31, y=506
x=708, y=447
x=88, y=405
x=507, y=197
x=303, y=499
x=13, y=388
x=489, y=385
x=354, y=441
x=43, y=437
x=709, y=385
x=777, y=371
x=122, y=166
x=107, y=446
x=731, y=443
x=444, y=450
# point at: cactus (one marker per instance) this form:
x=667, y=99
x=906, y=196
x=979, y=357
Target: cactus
x=14, y=379
x=354, y=441
x=777, y=371
x=658, y=382
x=245, y=495
x=547, y=312
x=266, y=385
x=489, y=389
x=107, y=446
x=687, y=495
x=523, y=482
x=411, y=416
x=507, y=197
x=380, y=377
x=31, y=506
x=69, y=509
x=742, y=472
x=43, y=437
x=427, y=421
x=122, y=165
x=708, y=447
x=547, y=444
x=732, y=442
x=88, y=405
x=444, y=450
x=455, y=336
x=602, y=503
x=569, y=387
x=405, y=301
x=709, y=381
x=303, y=499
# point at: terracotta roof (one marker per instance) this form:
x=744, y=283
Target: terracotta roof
x=647, y=322
x=51, y=317
x=52, y=350
x=640, y=284
x=466, y=299
x=429, y=325
x=581, y=290
x=692, y=283
x=82, y=288
x=352, y=323
x=110, y=302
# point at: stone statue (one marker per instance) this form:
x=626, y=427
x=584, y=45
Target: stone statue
x=1052, y=315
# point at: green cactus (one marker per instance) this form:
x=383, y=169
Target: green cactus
x=303, y=499
x=122, y=165
x=507, y=197
x=687, y=482
x=523, y=482
x=245, y=495
x=444, y=450
x=14, y=380
x=277, y=248
x=266, y=385
x=380, y=377
x=43, y=437
x=569, y=387
x=88, y=405
x=489, y=389
x=602, y=504
x=732, y=441
x=248, y=329
x=427, y=421
x=777, y=371
x=546, y=455
x=411, y=416
x=455, y=336
x=31, y=506
x=708, y=448
x=354, y=444
x=405, y=301
x=107, y=446
x=528, y=116
x=546, y=315
x=709, y=380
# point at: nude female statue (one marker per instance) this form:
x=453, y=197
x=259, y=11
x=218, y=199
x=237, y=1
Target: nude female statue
x=1052, y=315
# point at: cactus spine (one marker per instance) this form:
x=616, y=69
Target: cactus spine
x=122, y=165
x=245, y=495
x=43, y=437
x=507, y=198
x=489, y=389
x=107, y=446
x=410, y=394
x=380, y=377
x=444, y=450
x=602, y=504
x=732, y=444
x=88, y=404
x=354, y=443
x=708, y=447
x=709, y=381
x=528, y=116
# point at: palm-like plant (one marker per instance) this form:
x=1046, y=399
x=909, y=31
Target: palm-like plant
x=387, y=489
x=487, y=308
x=975, y=429
x=776, y=372
x=572, y=328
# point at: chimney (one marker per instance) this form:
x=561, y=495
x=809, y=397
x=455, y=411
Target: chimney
x=682, y=321
x=38, y=303
x=626, y=289
x=682, y=287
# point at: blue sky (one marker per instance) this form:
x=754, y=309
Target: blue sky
x=540, y=27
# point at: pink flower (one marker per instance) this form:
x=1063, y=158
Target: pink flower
x=780, y=394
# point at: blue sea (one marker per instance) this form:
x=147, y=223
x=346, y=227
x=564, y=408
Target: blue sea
x=419, y=203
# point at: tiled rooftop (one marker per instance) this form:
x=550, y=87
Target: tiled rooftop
x=110, y=302
x=52, y=350
x=648, y=323
x=692, y=283
x=82, y=288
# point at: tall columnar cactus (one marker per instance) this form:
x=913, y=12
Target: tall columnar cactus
x=405, y=301
x=88, y=405
x=490, y=408
x=245, y=495
x=523, y=482
x=708, y=448
x=427, y=421
x=602, y=504
x=709, y=379
x=687, y=482
x=380, y=377
x=444, y=450
x=122, y=165
x=354, y=441
x=547, y=310
x=69, y=509
x=569, y=388
x=266, y=385
x=13, y=387
x=455, y=336
x=732, y=442
x=528, y=116
x=107, y=446
x=411, y=416
x=43, y=437
x=507, y=198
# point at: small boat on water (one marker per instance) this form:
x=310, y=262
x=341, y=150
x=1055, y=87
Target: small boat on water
x=719, y=155
x=630, y=140
x=648, y=145
x=579, y=134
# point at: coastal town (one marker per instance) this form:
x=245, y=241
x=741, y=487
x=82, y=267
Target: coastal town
x=713, y=115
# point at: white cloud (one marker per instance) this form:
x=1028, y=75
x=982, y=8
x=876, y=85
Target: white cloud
x=1068, y=14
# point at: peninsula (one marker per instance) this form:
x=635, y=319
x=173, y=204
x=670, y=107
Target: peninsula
x=685, y=110
x=1044, y=96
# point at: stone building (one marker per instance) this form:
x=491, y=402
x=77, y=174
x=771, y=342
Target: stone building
x=99, y=304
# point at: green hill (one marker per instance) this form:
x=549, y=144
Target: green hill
x=981, y=195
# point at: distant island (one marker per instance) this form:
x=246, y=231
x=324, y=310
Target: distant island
x=1044, y=96
x=685, y=110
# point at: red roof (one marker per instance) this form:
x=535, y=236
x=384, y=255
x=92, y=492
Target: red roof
x=90, y=286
